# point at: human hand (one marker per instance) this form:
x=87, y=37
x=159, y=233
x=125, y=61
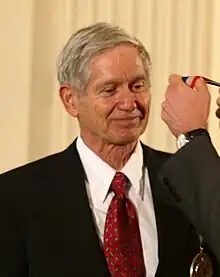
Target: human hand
x=218, y=103
x=185, y=109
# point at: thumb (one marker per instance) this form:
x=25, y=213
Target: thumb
x=200, y=85
x=175, y=79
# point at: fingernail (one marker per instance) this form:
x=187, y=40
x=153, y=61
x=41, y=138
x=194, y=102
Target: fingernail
x=201, y=81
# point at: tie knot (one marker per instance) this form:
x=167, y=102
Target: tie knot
x=118, y=184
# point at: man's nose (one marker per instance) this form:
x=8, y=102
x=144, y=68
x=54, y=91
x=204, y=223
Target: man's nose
x=127, y=100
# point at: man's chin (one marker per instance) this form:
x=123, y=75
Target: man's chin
x=123, y=136
x=125, y=139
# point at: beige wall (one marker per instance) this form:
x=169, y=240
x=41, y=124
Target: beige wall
x=182, y=36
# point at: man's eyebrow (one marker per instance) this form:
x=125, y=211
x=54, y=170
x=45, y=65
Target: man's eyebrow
x=116, y=81
x=139, y=77
x=111, y=81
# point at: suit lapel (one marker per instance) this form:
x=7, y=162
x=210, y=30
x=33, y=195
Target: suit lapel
x=152, y=161
x=74, y=222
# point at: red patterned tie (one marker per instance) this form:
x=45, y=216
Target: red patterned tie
x=122, y=241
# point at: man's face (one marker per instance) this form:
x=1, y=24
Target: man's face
x=116, y=106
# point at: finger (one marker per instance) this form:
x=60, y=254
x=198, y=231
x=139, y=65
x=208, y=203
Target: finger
x=218, y=101
x=175, y=79
x=165, y=114
x=165, y=106
x=167, y=110
x=200, y=85
x=217, y=113
x=172, y=91
x=168, y=120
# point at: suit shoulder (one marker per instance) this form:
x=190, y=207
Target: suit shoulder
x=34, y=167
x=157, y=153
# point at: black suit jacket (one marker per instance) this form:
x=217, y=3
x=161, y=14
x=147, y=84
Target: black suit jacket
x=47, y=227
x=194, y=173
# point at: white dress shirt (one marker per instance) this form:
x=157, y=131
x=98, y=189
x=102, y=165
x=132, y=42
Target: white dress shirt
x=100, y=175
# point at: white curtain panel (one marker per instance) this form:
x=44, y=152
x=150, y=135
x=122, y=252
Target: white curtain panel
x=182, y=36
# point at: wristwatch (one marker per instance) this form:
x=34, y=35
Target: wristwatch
x=183, y=139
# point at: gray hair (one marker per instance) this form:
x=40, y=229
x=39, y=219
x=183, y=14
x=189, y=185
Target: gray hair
x=82, y=46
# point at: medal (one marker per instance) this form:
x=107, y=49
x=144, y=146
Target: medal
x=201, y=265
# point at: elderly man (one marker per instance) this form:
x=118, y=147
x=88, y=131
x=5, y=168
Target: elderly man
x=97, y=208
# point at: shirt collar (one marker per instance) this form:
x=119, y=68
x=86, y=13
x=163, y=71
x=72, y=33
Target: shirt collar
x=100, y=174
x=133, y=169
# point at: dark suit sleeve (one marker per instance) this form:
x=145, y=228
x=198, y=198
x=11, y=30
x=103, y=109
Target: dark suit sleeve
x=12, y=250
x=193, y=174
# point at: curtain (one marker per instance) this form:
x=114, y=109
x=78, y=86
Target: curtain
x=182, y=36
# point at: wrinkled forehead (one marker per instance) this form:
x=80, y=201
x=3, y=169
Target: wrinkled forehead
x=121, y=62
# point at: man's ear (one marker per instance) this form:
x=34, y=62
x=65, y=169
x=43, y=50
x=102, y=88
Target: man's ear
x=69, y=99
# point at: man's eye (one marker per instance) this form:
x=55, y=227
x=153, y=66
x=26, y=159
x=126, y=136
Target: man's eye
x=139, y=86
x=109, y=91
